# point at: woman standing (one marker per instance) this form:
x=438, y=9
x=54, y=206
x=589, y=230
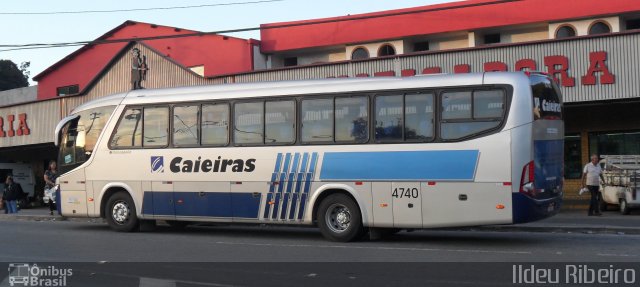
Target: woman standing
x=11, y=195
x=50, y=180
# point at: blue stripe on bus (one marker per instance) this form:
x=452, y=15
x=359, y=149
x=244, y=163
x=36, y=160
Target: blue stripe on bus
x=276, y=169
x=245, y=205
x=292, y=174
x=147, y=203
x=267, y=205
x=303, y=201
x=294, y=202
x=305, y=159
x=163, y=203
x=307, y=182
x=314, y=159
x=283, y=174
x=400, y=165
x=285, y=201
x=309, y=175
x=276, y=203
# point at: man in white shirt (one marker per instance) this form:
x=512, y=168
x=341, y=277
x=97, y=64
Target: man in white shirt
x=591, y=175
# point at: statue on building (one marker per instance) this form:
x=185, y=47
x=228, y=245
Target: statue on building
x=139, y=69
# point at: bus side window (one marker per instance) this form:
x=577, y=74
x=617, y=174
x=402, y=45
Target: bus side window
x=156, y=127
x=215, y=124
x=185, y=125
x=388, y=118
x=248, y=123
x=458, y=119
x=419, y=116
x=129, y=131
x=352, y=119
x=280, y=122
x=317, y=120
x=488, y=104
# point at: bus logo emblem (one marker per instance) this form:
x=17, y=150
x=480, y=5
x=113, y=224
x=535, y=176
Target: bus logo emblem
x=157, y=164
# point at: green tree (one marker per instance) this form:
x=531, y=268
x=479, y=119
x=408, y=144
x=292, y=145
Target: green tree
x=11, y=76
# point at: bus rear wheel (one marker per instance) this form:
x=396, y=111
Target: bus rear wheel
x=339, y=218
x=121, y=212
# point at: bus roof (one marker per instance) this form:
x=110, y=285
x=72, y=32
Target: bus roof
x=298, y=87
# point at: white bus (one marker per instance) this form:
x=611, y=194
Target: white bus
x=347, y=155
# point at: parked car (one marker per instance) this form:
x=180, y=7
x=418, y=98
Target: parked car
x=621, y=184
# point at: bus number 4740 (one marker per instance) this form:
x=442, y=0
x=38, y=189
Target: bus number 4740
x=401, y=192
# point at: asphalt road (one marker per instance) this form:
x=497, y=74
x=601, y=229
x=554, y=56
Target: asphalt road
x=287, y=256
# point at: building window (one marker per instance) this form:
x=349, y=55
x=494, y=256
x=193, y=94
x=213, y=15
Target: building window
x=633, y=24
x=565, y=32
x=386, y=50
x=492, y=38
x=572, y=156
x=599, y=28
x=420, y=46
x=291, y=61
x=359, y=54
x=68, y=90
x=614, y=143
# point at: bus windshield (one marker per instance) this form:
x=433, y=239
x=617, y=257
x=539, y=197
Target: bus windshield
x=78, y=137
x=546, y=98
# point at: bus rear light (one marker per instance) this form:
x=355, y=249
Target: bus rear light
x=506, y=183
x=431, y=183
x=358, y=182
x=526, y=181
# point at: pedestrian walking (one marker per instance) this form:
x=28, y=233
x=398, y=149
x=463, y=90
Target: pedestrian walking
x=591, y=175
x=50, y=180
x=12, y=192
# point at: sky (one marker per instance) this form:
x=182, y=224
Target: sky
x=27, y=29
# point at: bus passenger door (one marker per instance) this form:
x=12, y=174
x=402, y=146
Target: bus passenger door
x=407, y=204
x=73, y=194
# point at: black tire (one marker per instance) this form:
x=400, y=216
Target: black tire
x=624, y=207
x=603, y=204
x=120, y=212
x=176, y=224
x=339, y=218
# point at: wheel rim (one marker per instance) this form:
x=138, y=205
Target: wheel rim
x=338, y=218
x=120, y=212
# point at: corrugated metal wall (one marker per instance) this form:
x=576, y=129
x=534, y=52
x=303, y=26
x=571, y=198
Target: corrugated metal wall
x=623, y=61
x=42, y=118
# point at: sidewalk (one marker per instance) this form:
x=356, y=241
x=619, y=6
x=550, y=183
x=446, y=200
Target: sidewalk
x=611, y=222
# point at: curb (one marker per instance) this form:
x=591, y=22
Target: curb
x=29, y=217
x=619, y=230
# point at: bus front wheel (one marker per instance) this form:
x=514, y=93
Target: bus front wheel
x=339, y=218
x=121, y=212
